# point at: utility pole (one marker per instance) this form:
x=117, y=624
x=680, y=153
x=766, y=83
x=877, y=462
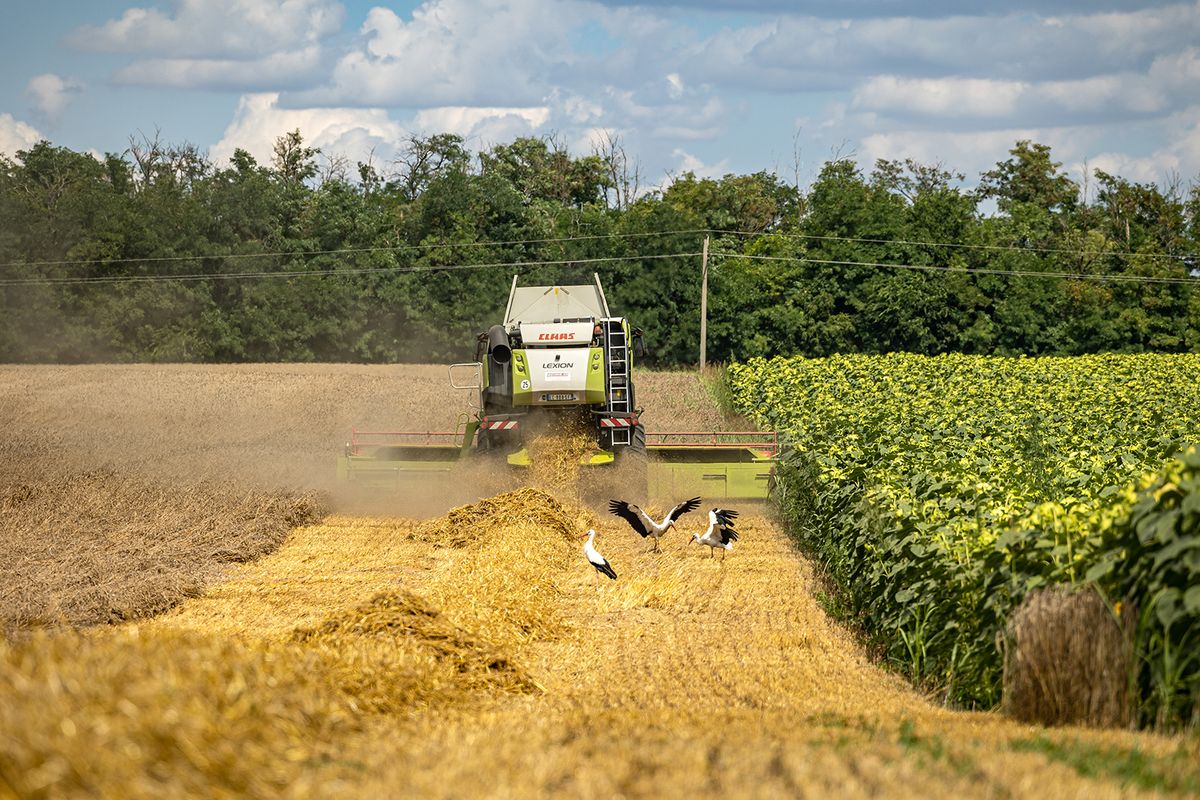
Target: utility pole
x=704, y=305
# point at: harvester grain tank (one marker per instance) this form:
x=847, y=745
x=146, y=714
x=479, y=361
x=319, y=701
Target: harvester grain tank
x=560, y=353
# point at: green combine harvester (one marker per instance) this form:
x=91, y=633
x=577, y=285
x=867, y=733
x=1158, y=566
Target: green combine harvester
x=561, y=355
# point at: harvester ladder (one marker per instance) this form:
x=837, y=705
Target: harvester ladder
x=616, y=373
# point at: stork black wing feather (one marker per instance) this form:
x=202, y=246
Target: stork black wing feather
x=725, y=516
x=683, y=508
x=605, y=569
x=728, y=535
x=621, y=509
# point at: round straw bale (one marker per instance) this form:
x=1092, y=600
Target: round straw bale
x=1066, y=660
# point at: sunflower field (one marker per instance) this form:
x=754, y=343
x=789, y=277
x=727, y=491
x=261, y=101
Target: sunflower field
x=939, y=491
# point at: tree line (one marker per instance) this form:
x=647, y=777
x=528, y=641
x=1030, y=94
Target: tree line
x=158, y=254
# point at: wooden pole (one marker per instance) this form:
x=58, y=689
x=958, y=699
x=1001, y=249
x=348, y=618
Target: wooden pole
x=704, y=305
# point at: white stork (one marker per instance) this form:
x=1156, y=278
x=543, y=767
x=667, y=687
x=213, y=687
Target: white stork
x=594, y=558
x=641, y=522
x=720, y=531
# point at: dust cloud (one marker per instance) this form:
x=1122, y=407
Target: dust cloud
x=127, y=488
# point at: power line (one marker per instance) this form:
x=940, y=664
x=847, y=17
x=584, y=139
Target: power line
x=120, y=279
x=116, y=279
x=1079, y=276
x=1016, y=248
x=343, y=250
x=590, y=237
x=43, y=280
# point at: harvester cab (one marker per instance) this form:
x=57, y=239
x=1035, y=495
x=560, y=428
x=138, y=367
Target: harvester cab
x=559, y=353
x=561, y=356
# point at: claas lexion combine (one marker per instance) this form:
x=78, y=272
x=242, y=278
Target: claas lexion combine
x=559, y=354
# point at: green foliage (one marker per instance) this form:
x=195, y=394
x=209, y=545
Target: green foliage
x=1029, y=178
x=1176, y=773
x=293, y=162
x=384, y=263
x=541, y=169
x=939, y=491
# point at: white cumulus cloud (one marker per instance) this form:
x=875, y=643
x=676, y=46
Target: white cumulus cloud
x=675, y=86
x=239, y=45
x=350, y=132
x=482, y=124
x=50, y=94
x=273, y=71
x=1178, y=157
x=969, y=152
x=964, y=102
x=16, y=135
x=239, y=29
x=686, y=162
x=941, y=96
x=455, y=53
x=1080, y=149
x=801, y=52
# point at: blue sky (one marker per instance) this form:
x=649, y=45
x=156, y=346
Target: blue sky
x=712, y=86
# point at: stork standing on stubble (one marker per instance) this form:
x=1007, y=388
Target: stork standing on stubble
x=642, y=523
x=720, y=531
x=594, y=558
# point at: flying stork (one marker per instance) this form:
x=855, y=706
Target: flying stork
x=594, y=558
x=641, y=522
x=720, y=531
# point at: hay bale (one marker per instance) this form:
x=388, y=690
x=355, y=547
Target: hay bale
x=1066, y=661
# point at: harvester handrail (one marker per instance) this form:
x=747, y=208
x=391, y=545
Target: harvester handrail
x=754, y=440
x=759, y=440
x=406, y=438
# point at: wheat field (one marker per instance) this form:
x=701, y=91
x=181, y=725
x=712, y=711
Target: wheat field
x=468, y=653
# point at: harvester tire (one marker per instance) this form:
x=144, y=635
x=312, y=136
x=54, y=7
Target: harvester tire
x=638, y=442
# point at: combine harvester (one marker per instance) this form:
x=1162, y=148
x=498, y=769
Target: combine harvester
x=560, y=355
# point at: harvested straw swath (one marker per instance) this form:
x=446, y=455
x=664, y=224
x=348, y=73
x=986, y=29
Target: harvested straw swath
x=397, y=653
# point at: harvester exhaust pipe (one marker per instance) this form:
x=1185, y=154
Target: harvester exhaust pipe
x=499, y=349
x=498, y=393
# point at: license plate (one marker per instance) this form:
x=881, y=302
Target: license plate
x=552, y=397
